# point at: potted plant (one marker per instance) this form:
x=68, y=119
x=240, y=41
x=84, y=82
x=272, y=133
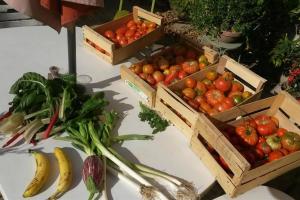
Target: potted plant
x=227, y=19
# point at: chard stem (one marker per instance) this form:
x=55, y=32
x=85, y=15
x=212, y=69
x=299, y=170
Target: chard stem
x=35, y=113
x=104, y=178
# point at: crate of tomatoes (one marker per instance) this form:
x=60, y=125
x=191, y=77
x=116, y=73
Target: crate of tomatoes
x=251, y=144
x=167, y=66
x=213, y=90
x=119, y=39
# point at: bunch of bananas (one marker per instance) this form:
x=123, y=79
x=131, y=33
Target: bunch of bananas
x=42, y=174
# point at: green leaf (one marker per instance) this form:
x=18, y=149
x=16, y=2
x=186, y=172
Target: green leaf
x=29, y=80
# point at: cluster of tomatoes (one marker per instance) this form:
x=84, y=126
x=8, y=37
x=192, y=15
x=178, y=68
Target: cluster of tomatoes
x=215, y=93
x=130, y=32
x=173, y=64
x=261, y=140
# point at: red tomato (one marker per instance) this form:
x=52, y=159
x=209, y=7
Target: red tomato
x=119, y=36
x=261, y=139
x=223, y=84
x=148, y=69
x=152, y=25
x=200, y=99
x=109, y=34
x=194, y=104
x=143, y=76
x=137, y=36
x=205, y=107
x=131, y=23
x=175, y=68
x=259, y=153
x=248, y=134
x=275, y=120
x=200, y=88
x=265, y=126
x=275, y=155
x=202, y=65
x=158, y=76
x=123, y=41
x=284, y=151
x=121, y=31
x=182, y=74
x=133, y=27
x=281, y=131
x=137, y=68
x=170, y=77
x=130, y=40
x=189, y=92
x=190, y=82
x=291, y=141
x=251, y=122
x=212, y=111
x=150, y=30
x=151, y=80
x=208, y=83
x=129, y=33
x=237, y=87
x=228, y=76
x=190, y=67
x=264, y=147
x=236, y=93
x=214, y=97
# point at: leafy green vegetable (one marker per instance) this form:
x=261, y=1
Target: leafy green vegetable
x=154, y=120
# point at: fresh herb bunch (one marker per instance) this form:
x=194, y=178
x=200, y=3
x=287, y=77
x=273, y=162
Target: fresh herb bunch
x=154, y=120
x=182, y=7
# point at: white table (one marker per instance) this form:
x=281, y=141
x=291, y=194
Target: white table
x=36, y=49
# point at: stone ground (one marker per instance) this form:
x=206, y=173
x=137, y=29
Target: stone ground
x=288, y=183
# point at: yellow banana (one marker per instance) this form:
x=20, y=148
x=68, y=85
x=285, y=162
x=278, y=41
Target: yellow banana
x=41, y=174
x=65, y=173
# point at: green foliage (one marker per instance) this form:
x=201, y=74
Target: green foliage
x=155, y=121
x=285, y=53
x=183, y=7
x=214, y=16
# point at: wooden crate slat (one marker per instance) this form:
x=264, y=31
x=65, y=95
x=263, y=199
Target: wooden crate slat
x=139, y=12
x=102, y=55
x=245, y=73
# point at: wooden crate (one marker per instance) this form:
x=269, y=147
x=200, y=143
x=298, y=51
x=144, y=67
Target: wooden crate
x=182, y=115
x=143, y=89
x=283, y=106
x=94, y=36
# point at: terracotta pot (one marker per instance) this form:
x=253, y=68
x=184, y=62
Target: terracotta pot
x=230, y=37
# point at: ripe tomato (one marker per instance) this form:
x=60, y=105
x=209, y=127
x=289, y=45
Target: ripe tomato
x=261, y=139
x=275, y=120
x=190, y=67
x=263, y=146
x=200, y=88
x=221, y=107
x=123, y=41
x=137, y=35
x=121, y=31
x=275, y=155
x=237, y=87
x=211, y=75
x=200, y=99
x=212, y=111
x=137, y=68
x=284, y=151
x=251, y=122
x=158, y=76
x=109, y=34
x=148, y=69
x=248, y=134
x=190, y=82
x=205, y=107
x=189, y=92
x=291, y=141
x=208, y=83
x=151, y=80
x=223, y=84
x=265, y=126
x=194, y=104
x=170, y=77
x=236, y=93
x=182, y=74
x=259, y=153
x=175, y=68
x=163, y=63
x=152, y=25
x=133, y=27
x=202, y=65
x=150, y=30
x=131, y=23
x=191, y=54
x=214, y=97
x=281, y=131
x=129, y=33
x=143, y=76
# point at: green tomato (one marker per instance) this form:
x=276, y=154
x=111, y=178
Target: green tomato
x=274, y=142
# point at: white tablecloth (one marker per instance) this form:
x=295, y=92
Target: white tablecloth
x=36, y=49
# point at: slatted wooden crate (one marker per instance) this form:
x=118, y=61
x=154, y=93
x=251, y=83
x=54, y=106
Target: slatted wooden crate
x=143, y=89
x=93, y=37
x=182, y=115
x=283, y=106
